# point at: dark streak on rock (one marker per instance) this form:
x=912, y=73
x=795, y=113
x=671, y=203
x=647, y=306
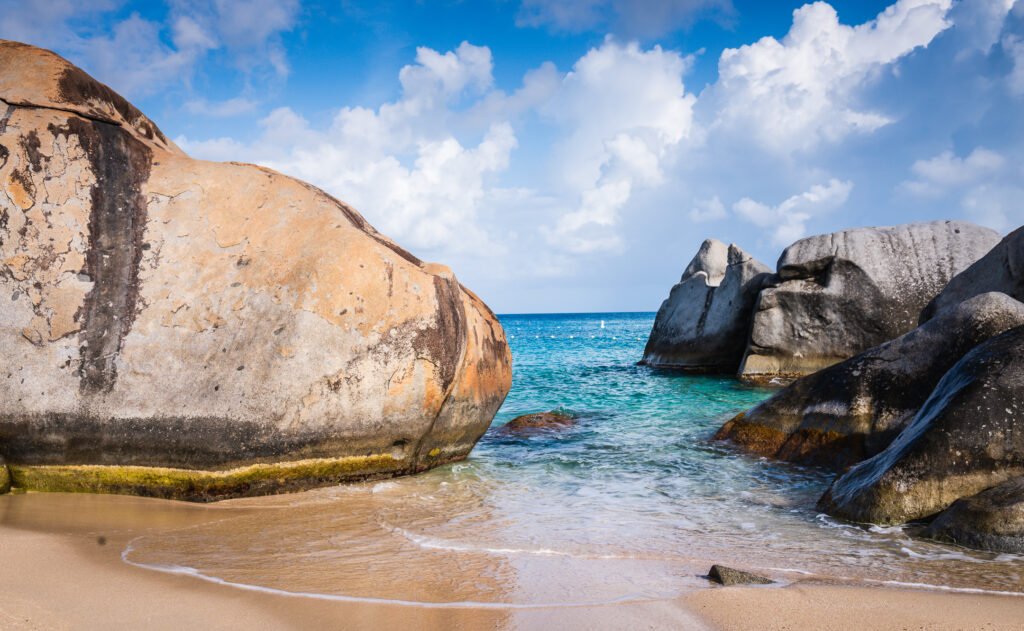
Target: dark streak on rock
x=24, y=178
x=121, y=165
x=78, y=88
x=4, y=153
x=30, y=145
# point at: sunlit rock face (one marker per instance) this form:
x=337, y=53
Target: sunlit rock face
x=191, y=329
x=836, y=295
x=702, y=325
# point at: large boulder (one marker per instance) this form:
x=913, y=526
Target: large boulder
x=991, y=520
x=836, y=295
x=854, y=409
x=702, y=325
x=190, y=329
x=1002, y=269
x=967, y=437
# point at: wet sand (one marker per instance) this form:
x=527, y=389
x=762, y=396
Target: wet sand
x=62, y=568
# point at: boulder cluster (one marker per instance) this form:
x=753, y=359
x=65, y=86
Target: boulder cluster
x=926, y=426
x=199, y=330
x=833, y=296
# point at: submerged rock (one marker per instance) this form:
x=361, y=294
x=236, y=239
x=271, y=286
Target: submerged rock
x=837, y=295
x=540, y=420
x=991, y=520
x=852, y=410
x=1002, y=269
x=702, y=325
x=729, y=576
x=189, y=329
x=967, y=437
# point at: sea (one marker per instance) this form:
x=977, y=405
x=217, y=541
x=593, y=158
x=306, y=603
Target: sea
x=634, y=502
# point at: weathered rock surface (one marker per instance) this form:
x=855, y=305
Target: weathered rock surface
x=967, y=437
x=1002, y=269
x=836, y=295
x=190, y=329
x=540, y=420
x=729, y=576
x=852, y=410
x=991, y=520
x=702, y=325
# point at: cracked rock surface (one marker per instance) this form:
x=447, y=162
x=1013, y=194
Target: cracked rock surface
x=162, y=312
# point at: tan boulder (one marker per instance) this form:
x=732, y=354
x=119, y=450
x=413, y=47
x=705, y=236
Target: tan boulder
x=182, y=328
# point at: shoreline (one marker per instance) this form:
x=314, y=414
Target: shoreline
x=65, y=569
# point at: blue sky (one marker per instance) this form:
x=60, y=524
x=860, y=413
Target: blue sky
x=572, y=155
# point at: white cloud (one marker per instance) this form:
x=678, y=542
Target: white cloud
x=708, y=210
x=1014, y=47
x=632, y=18
x=795, y=94
x=945, y=171
x=787, y=221
x=979, y=22
x=622, y=109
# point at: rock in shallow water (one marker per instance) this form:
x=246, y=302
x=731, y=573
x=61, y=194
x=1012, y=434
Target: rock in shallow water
x=729, y=576
x=189, y=329
x=967, y=437
x=540, y=420
x=702, y=326
x=991, y=520
x=836, y=295
x=852, y=410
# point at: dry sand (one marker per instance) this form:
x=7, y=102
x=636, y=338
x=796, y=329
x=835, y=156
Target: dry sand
x=55, y=574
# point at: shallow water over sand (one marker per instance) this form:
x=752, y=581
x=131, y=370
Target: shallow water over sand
x=634, y=502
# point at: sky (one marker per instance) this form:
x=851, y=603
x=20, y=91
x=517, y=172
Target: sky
x=571, y=155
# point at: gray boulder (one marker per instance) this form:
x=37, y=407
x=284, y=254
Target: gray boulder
x=1002, y=269
x=991, y=520
x=852, y=410
x=702, y=325
x=967, y=437
x=836, y=295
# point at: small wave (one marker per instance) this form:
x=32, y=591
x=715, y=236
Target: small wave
x=182, y=570
x=946, y=588
x=433, y=543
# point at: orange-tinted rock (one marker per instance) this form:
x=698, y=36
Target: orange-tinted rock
x=160, y=311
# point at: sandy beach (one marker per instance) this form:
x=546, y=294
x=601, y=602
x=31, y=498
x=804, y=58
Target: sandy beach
x=63, y=569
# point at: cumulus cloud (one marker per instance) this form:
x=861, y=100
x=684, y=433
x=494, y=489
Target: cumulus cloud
x=945, y=171
x=1014, y=47
x=787, y=221
x=631, y=18
x=794, y=94
x=623, y=110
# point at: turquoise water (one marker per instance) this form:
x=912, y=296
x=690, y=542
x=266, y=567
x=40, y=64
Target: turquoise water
x=635, y=501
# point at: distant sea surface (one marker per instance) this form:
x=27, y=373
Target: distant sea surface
x=634, y=502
